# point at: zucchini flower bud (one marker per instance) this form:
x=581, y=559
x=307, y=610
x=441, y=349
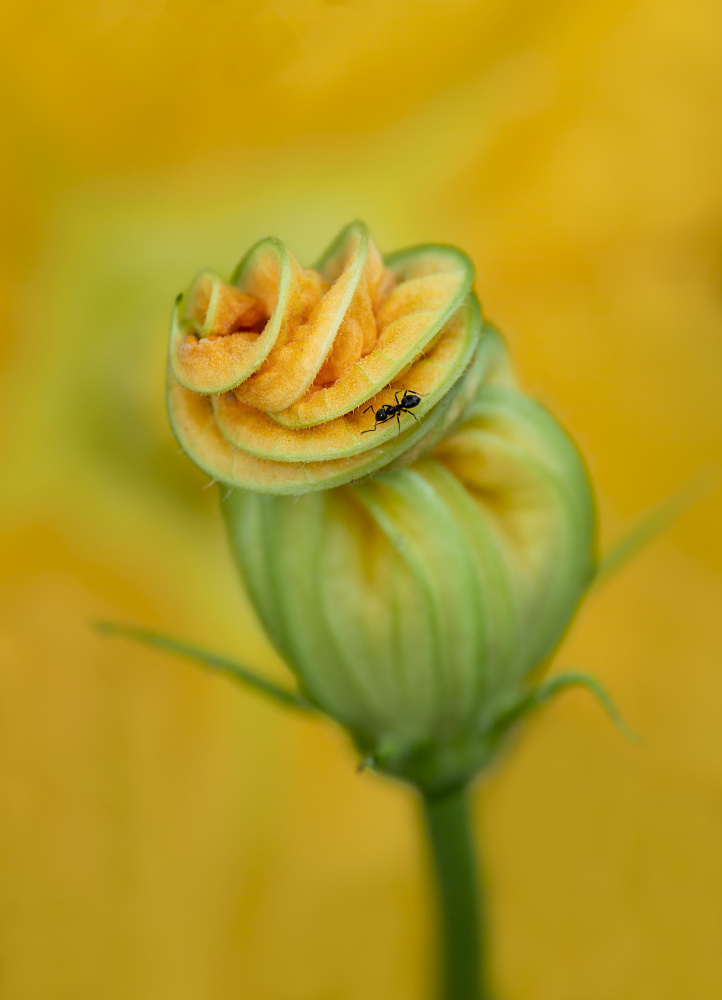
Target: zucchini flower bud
x=413, y=599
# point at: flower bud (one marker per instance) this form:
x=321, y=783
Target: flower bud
x=414, y=603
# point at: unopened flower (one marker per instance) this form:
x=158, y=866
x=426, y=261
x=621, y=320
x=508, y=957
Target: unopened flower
x=414, y=598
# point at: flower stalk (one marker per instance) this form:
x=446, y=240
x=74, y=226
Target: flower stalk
x=463, y=968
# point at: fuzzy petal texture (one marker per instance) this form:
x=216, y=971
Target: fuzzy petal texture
x=275, y=379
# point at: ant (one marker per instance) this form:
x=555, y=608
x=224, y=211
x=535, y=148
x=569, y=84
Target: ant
x=386, y=412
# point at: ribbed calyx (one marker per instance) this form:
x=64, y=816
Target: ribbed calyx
x=412, y=604
x=275, y=377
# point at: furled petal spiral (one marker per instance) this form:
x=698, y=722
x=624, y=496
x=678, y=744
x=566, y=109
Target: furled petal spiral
x=275, y=377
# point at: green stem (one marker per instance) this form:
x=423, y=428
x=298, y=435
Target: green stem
x=448, y=824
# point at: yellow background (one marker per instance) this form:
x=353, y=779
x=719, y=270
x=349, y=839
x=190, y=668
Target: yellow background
x=163, y=834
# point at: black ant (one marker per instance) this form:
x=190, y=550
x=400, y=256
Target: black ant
x=388, y=410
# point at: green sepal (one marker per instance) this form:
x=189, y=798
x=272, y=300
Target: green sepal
x=650, y=525
x=440, y=767
x=538, y=696
x=220, y=664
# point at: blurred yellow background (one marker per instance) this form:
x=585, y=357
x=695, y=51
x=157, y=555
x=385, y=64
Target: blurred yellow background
x=167, y=836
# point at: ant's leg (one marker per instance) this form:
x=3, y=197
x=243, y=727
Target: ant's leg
x=414, y=416
x=371, y=429
x=396, y=397
x=369, y=408
x=398, y=421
